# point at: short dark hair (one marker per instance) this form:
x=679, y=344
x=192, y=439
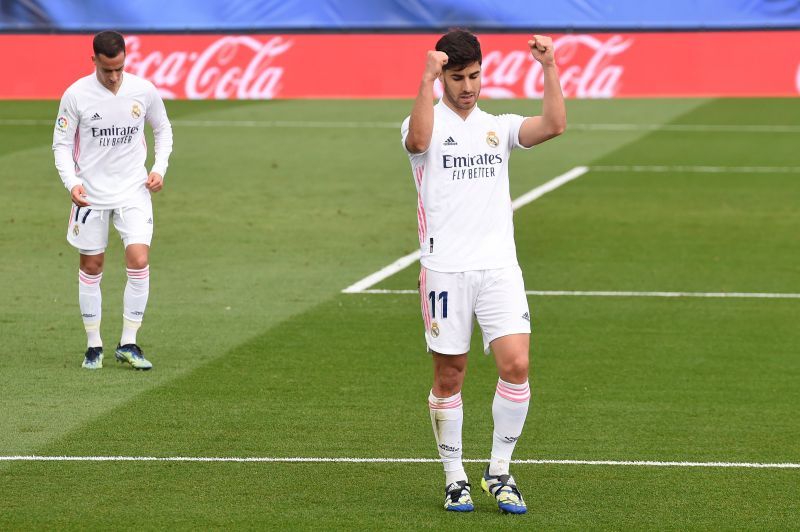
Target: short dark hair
x=462, y=49
x=108, y=43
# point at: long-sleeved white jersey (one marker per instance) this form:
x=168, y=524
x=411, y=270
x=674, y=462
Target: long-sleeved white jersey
x=99, y=141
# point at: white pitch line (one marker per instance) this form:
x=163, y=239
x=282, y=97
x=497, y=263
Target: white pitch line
x=403, y=262
x=299, y=459
x=311, y=124
x=607, y=293
x=319, y=124
x=700, y=169
x=551, y=185
x=385, y=272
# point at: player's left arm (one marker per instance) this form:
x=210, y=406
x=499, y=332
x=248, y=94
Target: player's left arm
x=162, y=136
x=553, y=120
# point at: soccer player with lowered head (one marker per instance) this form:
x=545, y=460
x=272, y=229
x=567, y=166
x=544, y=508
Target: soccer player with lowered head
x=100, y=151
x=459, y=159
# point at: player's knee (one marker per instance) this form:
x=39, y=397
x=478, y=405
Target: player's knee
x=514, y=369
x=92, y=269
x=93, y=265
x=448, y=381
x=137, y=263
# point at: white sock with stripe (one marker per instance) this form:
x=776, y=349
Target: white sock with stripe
x=509, y=410
x=90, y=301
x=134, y=302
x=447, y=417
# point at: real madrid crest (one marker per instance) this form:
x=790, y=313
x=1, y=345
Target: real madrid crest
x=435, y=329
x=76, y=229
x=136, y=111
x=492, y=139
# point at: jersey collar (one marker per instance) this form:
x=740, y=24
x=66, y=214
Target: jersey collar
x=122, y=83
x=456, y=116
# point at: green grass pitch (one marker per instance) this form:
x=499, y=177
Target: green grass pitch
x=268, y=213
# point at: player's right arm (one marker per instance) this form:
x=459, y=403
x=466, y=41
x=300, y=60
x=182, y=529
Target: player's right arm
x=64, y=148
x=420, y=126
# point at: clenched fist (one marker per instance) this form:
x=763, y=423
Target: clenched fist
x=542, y=49
x=434, y=65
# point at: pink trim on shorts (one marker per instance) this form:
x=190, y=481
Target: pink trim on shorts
x=423, y=295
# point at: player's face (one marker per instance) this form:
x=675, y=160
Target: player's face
x=109, y=70
x=462, y=87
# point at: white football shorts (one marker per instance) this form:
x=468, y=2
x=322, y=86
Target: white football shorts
x=450, y=300
x=88, y=228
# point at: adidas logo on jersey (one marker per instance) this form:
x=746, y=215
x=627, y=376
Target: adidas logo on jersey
x=96, y=117
x=526, y=317
x=450, y=142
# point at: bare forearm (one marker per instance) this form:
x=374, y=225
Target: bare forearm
x=420, y=126
x=554, y=112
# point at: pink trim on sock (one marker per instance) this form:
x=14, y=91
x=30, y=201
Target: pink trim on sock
x=517, y=395
x=144, y=273
x=445, y=406
x=85, y=278
x=446, y=403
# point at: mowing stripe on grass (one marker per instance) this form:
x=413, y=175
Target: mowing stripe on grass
x=691, y=128
x=607, y=293
x=316, y=124
x=700, y=169
x=402, y=262
x=302, y=459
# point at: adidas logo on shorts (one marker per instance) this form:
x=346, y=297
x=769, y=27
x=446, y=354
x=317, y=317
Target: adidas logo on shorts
x=450, y=142
x=526, y=317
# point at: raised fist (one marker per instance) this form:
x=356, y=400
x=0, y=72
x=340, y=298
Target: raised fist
x=542, y=49
x=434, y=64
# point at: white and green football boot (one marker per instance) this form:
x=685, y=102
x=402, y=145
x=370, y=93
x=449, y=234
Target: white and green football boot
x=457, y=497
x=132, y=354
x=93, y=359
x=504, y=489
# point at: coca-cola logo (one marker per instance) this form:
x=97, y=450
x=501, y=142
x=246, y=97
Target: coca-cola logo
x=239, y=67
x=585, y=63
x=797, y=78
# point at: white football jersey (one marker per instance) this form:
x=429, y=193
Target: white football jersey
x=464, y=209
x=99, y=141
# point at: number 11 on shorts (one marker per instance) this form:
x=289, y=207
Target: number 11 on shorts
x=442, y=300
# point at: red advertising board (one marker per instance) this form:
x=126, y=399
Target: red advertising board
x=603, y=65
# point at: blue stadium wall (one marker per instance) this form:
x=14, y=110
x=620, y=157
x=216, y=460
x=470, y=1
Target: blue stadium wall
x=394, y=15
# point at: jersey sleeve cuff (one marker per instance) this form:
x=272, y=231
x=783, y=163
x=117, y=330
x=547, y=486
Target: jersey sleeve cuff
x=162, y=171
x=71, y=183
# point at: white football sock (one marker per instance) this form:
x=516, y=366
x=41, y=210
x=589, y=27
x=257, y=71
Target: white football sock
x=134, y=302
x=447, y=417
x=509, y=409
x=90, y=301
